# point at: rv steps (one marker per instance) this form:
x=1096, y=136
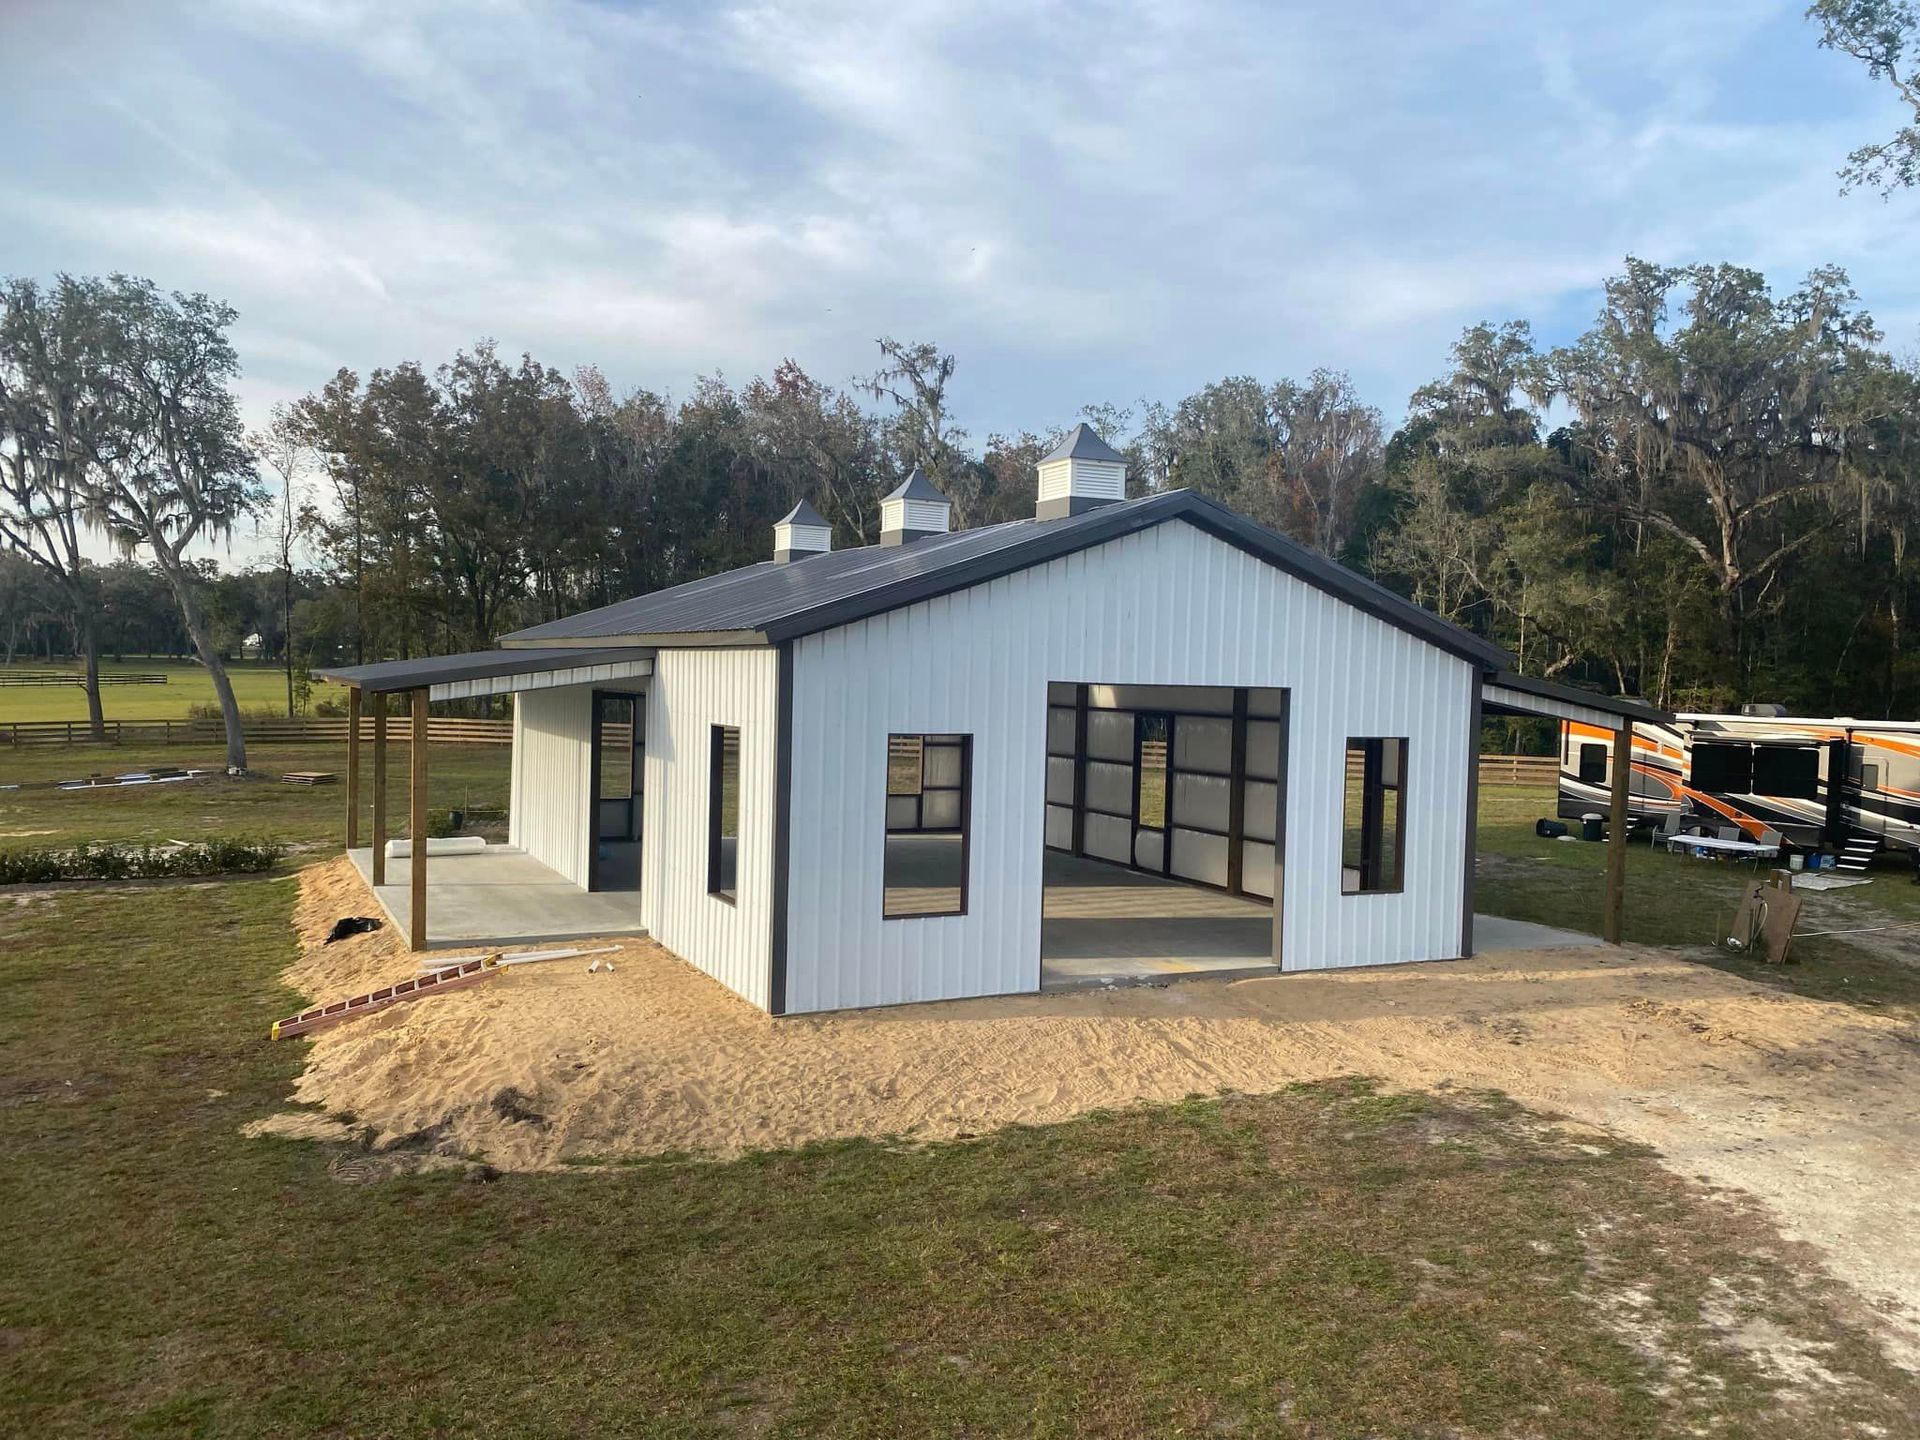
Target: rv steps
x=1858, y=853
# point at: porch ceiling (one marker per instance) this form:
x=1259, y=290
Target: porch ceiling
x=1505, y=693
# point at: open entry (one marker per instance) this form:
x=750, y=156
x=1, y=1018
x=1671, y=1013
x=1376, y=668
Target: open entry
x=1163, y=832
x=619, y=753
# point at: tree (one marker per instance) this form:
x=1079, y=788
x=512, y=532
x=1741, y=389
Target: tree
x=282, y=448
x=173, y=468
x=1724, y=431
x=1882, y=35
x=1329, y=448
x=915, y=379
x=53, y=418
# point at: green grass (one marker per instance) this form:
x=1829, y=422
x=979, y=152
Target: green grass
x=257, y=685
x=473, y=777
x=1673, y=900
x=1327, y=1261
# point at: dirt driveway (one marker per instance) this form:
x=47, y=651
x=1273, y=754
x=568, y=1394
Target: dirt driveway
x=1812, y=1107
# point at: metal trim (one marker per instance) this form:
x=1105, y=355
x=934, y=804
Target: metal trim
x=1280, y=829
x=1467, y=877
x=782, y=834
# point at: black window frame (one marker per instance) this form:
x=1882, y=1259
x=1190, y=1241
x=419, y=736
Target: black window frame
x=1373, y=791
x=941, y=739
x=716, y=809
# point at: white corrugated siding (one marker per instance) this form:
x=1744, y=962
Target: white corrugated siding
x=692, y=691
x=1169, y=606
x=552, y=778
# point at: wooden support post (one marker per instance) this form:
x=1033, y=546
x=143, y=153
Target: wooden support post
x=1614, y=920
x=380, y=788
x=353, y=767
x=417, y=821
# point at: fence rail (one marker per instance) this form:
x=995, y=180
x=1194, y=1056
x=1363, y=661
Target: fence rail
x=453, y=730
x=1519, y=770
x=441, y=730
x=61, y=677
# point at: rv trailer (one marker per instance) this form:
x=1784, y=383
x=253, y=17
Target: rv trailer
x=1841, y=785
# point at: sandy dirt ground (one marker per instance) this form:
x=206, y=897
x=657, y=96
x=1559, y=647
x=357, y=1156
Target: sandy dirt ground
x=1812, y=1107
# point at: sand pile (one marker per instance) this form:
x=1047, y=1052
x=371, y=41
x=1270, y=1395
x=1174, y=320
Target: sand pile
x=1811, y=1106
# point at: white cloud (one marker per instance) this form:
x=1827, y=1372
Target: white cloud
x=1085, y=201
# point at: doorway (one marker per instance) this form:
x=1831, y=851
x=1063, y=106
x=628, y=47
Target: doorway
x=618, y=778
x=1164, y=832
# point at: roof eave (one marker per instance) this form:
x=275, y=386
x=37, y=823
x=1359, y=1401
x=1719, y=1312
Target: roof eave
x=658, y=640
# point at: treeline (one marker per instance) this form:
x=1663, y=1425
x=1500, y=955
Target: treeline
x=1703, y=499
x=134, y=612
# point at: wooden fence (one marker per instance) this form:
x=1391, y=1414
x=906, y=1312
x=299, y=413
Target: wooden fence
x=61, y=677
x=1520, y=770
x=321, y=729
x=1537, y=770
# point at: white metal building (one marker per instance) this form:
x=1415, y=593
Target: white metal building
x=1122, y=738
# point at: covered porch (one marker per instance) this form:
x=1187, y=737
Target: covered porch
x=500, y=893
x=1507, y=693
x=501, y=896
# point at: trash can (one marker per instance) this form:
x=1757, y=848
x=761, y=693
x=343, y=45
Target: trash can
x=1549, y=829
x=1593, y=827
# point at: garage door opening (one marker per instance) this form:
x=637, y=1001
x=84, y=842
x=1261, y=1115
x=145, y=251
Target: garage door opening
x=1163, y=832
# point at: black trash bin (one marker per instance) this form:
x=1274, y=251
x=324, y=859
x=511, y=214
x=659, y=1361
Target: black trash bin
x=1593, y=827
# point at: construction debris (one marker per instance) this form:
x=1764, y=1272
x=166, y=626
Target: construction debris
x=1828, y=880
x=161, y=775
x=525, y=957
x=451, y=977
x=310, y=777
x=353, y=925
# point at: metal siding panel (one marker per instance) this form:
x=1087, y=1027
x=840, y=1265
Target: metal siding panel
x=694, y=690
x=549, y=804
x=1167, y=606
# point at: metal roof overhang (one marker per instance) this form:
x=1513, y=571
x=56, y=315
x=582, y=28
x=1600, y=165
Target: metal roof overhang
x=1503, y=692
x=497, y=672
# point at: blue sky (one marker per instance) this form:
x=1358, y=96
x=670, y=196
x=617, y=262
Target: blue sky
x=1091, y=202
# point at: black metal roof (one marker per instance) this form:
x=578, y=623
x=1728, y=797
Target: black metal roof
x=1624, y=706
x=916, y=487
x=391, y=675
x=772, y=602
x=1083, y=442
x=802, y=514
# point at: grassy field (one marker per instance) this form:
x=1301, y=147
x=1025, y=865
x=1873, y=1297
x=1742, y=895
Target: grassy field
x=257, y=685
x=1676, y=901
x=1326, y=1261
x=472, y=777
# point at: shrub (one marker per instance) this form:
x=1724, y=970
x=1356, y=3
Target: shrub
x=114, y=860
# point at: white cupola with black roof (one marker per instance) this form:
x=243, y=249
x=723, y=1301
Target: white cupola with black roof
x=801, y=532
x=913, y=511
x=1079, y=474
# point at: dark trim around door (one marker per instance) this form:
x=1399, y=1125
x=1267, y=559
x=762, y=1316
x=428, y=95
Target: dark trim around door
x=782, y=831
x=1473, y=821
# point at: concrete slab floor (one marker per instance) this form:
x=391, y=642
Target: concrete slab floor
x=501, y=896
x=1495, y=932
x=1103, y=924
